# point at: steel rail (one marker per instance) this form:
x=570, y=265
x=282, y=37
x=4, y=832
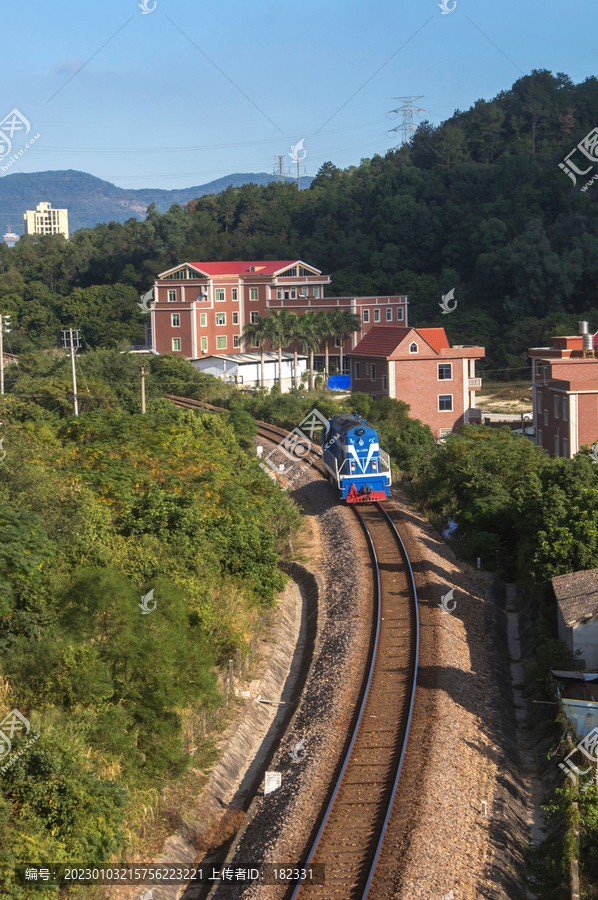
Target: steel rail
x=413, y=590
x=378, y=592
x=414, y=643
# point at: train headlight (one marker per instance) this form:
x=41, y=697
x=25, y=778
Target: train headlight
x=352, y=467
x=374, y=467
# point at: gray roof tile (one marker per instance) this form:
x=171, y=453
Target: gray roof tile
x=577, y=595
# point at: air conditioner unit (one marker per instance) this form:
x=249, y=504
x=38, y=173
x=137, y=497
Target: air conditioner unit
x=204, y=351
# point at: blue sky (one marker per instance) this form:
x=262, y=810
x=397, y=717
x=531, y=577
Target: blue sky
x=148, y=109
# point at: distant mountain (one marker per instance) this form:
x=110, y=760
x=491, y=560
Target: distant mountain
x=90, y=200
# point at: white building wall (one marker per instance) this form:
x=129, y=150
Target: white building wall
x=250, y=371
x=585, y=638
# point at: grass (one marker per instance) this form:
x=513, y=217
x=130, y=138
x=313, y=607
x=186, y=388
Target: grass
x=506, y=398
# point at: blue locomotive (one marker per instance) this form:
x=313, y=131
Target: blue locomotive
x=354, y=461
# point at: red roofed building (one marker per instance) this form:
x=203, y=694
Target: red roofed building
x=418, y=366
x=201, y=308
x=565, y=392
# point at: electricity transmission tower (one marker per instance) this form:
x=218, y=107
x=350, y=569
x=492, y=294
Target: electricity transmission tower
x=279, y=169
x=406, y=125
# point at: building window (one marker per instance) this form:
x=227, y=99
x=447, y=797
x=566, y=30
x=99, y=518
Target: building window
x=565, y=409
x=445, y=402
x=444, y=433
x=253, y=293
x=357, y=375
x=538, y=368
x=559, y=345
x=539, y=396
x=376, y=315
x=316, y=291
x=384, y=382
x=389, y=314
x=172, y=296
x=556, y=406
x=373, y=372
x=556, y=445
x=367, y=368
x=176, y=343
x=203, y=320
x=279, y=293
x=204, y=343
x=445, y=372
x=290, y=273
x=221, y=342
x=546, y=417
x=304, y=292
x=366, y=315
x=235, y=318
x=566, y=448
x=413, y=348
x=176, y=320
x=220, y=318
x=236, y=340
x=220, y=295
x=235, y=293
x=337, y=342
x=540, y=444
x=254, y=317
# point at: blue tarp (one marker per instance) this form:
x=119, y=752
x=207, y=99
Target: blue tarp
x=339, y=382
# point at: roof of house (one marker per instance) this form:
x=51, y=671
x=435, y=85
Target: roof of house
x=577, y=596
x=381, y=341
x=436, y=337
x=242, y=267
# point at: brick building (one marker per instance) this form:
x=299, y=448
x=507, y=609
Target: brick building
x=201, y=308
x=565, y=393
x=417, y=365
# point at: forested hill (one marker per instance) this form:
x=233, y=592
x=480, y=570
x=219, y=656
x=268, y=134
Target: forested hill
x=90, y=200
x=478, y=204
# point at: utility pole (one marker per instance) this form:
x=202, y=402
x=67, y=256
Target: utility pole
x=70, y=342
x=4, y=329
x=142, y=370
x=407, y=109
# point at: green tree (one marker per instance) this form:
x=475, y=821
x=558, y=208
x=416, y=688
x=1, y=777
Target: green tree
x=24, y=548
x=310, y=340
x=345, y=323
x=256, y=334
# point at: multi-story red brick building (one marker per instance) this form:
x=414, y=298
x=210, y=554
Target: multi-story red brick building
x=565, y=393
x=201, y=308
x=417, y=365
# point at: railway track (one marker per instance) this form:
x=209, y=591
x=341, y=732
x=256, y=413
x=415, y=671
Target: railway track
x=350, y=838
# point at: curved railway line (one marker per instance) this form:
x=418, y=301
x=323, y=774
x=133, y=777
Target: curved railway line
x=350, y=838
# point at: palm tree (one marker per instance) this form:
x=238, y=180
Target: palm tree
x=293, y=331
x=276, y=332
x=327, y=330
x=310, y=340
x=255, y=335
x=345, y=323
